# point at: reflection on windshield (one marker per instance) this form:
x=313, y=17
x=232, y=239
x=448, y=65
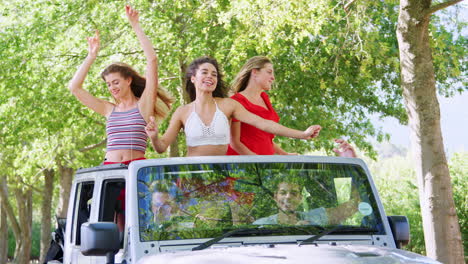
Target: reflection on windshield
x=207, y=200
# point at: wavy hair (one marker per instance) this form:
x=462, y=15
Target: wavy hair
x=220, y=90
x=243, y=77
x=164, y=100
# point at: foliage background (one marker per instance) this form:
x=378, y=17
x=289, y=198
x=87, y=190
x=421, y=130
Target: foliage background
x=396, y=182
x=334, y=67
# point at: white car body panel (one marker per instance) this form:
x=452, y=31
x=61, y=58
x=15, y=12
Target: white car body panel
x=241, y=250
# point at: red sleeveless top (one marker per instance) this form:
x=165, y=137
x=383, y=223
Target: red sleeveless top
x=258, y=141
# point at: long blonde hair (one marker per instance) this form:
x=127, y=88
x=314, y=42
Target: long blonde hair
x=242, y=79
x=163, y=104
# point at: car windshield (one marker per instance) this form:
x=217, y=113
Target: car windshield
x=207, y=200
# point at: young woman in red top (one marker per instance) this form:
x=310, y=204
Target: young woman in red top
x=250, y=84
x=206, y=119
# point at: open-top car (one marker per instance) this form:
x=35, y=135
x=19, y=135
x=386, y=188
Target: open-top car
x=226, y=209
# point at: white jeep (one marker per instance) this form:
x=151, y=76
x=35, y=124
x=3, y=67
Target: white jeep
x=232, y=209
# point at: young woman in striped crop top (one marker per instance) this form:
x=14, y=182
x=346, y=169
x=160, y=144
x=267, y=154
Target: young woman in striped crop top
x=135, y=97
x=206, y=119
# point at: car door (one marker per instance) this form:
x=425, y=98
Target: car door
x=81, y=212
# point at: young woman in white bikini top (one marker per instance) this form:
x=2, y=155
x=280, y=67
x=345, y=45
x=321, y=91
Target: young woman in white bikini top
x=216, y=133
x=205, y=88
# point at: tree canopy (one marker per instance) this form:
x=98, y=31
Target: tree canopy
x=336, y=63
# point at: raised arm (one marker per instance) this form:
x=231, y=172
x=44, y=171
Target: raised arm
x=344, y=149
x=236, y=143
x=148, y=98
x=240, y=113
x=76, y=84
x=242, y=149
x=160, y=144
x=336, y=215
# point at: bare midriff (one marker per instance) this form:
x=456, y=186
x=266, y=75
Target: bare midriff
x=123, y=155
x=207, y=150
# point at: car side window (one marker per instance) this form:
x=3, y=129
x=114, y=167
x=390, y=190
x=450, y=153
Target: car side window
x=82, y=209
x=113, y=203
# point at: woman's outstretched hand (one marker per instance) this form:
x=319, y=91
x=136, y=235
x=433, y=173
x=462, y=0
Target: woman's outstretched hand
x=152, y=129
x=93, y=45
x=312, y=132
x=132, y=15
x=344, y=149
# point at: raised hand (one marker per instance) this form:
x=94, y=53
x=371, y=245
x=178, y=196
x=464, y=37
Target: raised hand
x=312, y=132
x=132, y=15
x=344, y=149
x=93, y=44
x=152, y=129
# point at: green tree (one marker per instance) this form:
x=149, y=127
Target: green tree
x=336, y=63
x=418, y=80
x=329, y=68
x=396, y=177
x=36, y=114
x=458, y=166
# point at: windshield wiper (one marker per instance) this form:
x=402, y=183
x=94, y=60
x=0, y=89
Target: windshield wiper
x=255, y=230
x=344, y=229
x=260, y=230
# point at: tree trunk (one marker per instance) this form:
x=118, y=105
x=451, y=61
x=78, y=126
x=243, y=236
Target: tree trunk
x=3, y=236
x=183, y=68
x=66, y=179
x=3, y=228
x=23, y=241
x=6, y=206
x=174, y=148
x=440, y=221
x=46, y=210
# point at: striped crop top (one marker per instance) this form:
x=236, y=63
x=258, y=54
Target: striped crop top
x=126, y=130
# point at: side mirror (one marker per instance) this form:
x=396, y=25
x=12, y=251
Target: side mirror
x=100, y=239
x=400, y=229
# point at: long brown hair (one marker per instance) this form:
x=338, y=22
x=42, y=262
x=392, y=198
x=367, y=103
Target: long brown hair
x=242, y=79
x=164, y=100
x=220, y=90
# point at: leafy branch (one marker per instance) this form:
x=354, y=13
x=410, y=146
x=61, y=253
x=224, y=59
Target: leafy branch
x=93, y=146
x=92, y=119
x=440, y=6
x=348, y=5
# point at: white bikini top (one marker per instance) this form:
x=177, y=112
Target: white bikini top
x=198, y=134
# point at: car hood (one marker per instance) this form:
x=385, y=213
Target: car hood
x=311, y=254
